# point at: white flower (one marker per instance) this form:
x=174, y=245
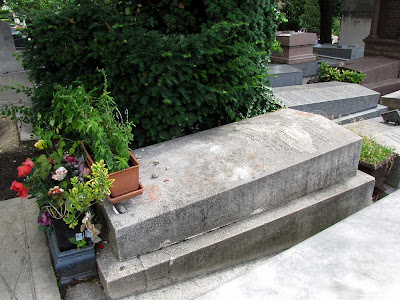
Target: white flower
x=61, y=172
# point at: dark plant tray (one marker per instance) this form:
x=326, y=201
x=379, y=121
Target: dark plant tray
x=392, y=116
x=72, y=264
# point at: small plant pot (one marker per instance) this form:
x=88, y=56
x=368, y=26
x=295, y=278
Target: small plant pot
x=126, y=182
x=72, y=264
x=378, y=171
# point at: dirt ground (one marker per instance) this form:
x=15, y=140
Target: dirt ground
x=12, y=154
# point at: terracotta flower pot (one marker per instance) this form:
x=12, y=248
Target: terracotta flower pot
x=126, y=183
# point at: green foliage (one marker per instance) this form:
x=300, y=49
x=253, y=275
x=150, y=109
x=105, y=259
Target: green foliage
x=77, y=115
x=79, y=244
x=85, y=194
x=374, y=153
x=336, y=26
x=178, y=67
x=327, y=73
x=311, y=16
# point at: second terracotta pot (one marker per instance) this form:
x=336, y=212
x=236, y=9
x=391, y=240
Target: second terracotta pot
x=125, y=181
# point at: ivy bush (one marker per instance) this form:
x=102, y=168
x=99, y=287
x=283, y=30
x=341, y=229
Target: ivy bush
x=327, y=73
x=176, y=66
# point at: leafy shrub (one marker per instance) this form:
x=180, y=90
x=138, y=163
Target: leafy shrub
x=77, y=115
x=178, y=67
x=327, y=73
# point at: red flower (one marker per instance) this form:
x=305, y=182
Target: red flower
x=28, y=162
x=26, y=168
x=70, y=158
x=19, y=187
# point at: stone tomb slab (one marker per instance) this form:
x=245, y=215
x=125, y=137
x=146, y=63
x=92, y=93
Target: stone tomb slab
x=9, y=63
x=330, y=99
x=219, y=176
x=284, y=75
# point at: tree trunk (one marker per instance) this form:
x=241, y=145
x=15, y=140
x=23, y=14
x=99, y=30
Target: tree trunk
x=327, y=10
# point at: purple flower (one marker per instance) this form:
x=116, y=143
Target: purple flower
x=44, y=219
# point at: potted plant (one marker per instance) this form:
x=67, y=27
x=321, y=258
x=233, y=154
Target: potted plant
x=96, y=121
x=65, y=190
x=376, y=159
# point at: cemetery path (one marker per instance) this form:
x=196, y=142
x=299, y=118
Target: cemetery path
x=12, y=154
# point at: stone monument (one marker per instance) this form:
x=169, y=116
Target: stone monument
x=11, y=70
x=8, y=64
x=297, y=47
x=384, y=37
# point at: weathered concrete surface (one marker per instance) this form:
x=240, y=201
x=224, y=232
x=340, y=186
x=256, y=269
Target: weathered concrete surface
x=392, y=100
x=358, y=258
x=225, y=174
x=7, y=49
x=284, y=75
x=330, y=99
x=262, y=234
x=387, y=134
x=25, y=263
x=10, y=96
x=85, y=290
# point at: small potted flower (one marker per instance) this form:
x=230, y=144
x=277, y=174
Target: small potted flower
x=65, y=190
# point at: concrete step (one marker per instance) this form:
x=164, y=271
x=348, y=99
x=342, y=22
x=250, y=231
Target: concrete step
x=362, y=115
x=222, y=175
x=284, y=75
x=330, y=99
x=385, y=86
x=377, y=68
x=261, y=234
x=358, y=258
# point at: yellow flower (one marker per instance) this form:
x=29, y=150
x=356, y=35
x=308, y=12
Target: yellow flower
x=40, y=144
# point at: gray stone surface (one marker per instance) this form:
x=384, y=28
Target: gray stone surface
x=392, y=100
x=25, y=264
x=9, y=63
x=262, y=234
x=85, y=290
x=10, y=96
x=339, y=51
x=363, y=115
x=330, y=99
x=308, y=68
x=206, y=181
x=387, y=134
x=284, y=75
x=358, y=258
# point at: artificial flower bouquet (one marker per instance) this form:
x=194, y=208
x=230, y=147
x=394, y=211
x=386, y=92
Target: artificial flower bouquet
x=65, y=189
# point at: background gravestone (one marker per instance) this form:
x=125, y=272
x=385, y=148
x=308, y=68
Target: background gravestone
x=11, y=71
x=8, y=62
x=384, y=38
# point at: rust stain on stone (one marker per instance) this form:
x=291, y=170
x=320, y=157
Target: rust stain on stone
x=251, y=156
x=304, y=113
x=153, y=192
